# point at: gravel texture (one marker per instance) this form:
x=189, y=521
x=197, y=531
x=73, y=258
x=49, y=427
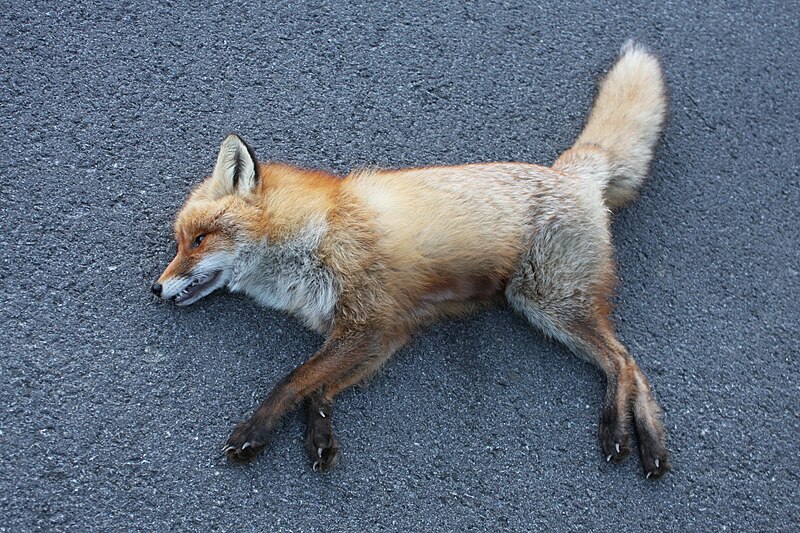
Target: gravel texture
x=114, y=406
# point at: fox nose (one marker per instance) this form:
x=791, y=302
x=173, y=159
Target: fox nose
x=156, y=288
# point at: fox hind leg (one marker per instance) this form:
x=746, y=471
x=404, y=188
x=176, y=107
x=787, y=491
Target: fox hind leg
x=563, y=287
x=628, y=395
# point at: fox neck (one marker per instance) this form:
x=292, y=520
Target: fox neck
x=282, y=268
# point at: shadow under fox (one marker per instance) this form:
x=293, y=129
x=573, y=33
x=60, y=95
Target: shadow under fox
x=369, y=259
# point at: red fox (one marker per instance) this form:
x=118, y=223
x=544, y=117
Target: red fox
x=368, y=259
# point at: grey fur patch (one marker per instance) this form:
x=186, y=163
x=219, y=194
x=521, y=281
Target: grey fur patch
x=289, y=276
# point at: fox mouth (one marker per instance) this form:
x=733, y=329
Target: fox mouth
x=198, y=288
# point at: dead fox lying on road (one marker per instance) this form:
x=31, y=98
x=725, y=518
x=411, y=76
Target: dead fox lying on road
x=369, y=259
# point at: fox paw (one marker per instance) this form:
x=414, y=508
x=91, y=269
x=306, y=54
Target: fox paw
x=321, y=444
x=245, y=443
x=614, y=440
x=655, y=458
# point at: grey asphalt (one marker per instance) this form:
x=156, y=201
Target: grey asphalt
x=114, y=406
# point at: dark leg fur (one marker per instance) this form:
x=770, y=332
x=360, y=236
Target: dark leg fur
x=340, y=355
x=628, y=394
x=320, y=442
x=646, y=415
x=612, y=431
x=587, y=330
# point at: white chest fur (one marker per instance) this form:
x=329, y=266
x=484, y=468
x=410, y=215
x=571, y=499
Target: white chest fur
x=289, y=276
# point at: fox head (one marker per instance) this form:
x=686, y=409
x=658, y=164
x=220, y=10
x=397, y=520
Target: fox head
x=209, y=228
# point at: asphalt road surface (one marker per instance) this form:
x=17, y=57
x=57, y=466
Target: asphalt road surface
x=114, y=406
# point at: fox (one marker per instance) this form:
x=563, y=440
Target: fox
x=370, y=258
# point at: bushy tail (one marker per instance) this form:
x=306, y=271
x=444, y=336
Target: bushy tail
x=625, y=123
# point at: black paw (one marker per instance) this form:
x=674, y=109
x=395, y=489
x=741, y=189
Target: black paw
x=614, y=438
x=246, y=441
x=655, y=458
x=321, y=444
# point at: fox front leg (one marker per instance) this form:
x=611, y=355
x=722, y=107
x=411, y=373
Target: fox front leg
x=341, y=355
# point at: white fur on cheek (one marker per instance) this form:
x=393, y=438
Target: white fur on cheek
x=215, y=261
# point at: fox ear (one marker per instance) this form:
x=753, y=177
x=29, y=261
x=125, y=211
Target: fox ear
x=236, y=171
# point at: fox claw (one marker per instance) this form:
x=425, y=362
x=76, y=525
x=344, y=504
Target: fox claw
x=315, y=466
x=321, y=413
x=246, y=441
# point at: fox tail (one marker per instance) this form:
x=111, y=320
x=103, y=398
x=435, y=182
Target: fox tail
x=617, y=143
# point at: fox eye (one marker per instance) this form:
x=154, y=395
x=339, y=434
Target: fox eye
x=198, y=240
